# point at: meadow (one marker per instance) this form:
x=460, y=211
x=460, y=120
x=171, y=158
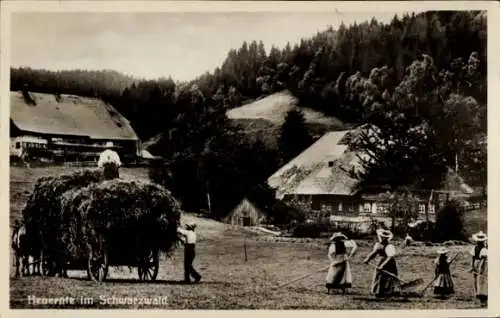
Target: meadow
x=232, y=282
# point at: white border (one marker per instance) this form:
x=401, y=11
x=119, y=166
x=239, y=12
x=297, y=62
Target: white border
x=7, y=7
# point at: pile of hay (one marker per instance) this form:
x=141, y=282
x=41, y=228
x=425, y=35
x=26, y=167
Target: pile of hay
x=42, y=213
x=132, y=216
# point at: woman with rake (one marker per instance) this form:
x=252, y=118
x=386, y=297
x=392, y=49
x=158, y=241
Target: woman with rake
x=339, y=273
x=443, y=285
x=384, y=285
x=480, y=267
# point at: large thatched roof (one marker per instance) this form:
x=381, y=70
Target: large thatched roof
x=69, y=115
x=320, y=169
x=324, y=169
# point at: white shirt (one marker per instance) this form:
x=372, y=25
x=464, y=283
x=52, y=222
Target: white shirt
x=190, y=236
x=482, y=254
x=349, y=244
x=109, y=155
x=389, y=249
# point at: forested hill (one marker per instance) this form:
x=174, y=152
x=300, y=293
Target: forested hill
x=75, y=82
x=421, y=77
x=311, y=69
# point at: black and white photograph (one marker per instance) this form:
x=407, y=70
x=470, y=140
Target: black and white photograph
x=225, y=160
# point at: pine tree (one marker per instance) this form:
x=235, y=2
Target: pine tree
x=294, y=137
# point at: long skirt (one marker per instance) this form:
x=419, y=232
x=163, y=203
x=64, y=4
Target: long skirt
x=443, y=285
x=339, y=274
x=481, y=283
x=384, y=285
x=111, y=171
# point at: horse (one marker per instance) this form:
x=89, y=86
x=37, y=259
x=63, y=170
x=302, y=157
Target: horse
x=25, y=254
x=20, y=247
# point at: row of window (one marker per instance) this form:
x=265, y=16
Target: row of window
x=30, y=145
x=380, y=208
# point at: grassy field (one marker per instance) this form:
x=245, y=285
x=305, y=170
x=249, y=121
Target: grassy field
x=230, y=282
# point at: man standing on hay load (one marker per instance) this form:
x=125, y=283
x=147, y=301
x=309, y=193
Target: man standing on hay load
x=384, y=285
x=110, y=162
x=189, y=239
x=479, y=267
x=339, y=274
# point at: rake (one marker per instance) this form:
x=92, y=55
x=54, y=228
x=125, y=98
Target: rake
x=403, y=284
x=303, y=276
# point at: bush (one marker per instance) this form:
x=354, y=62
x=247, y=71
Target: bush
x=449, y=223
x=285, y=215
x=422, y=231
x=311, y=230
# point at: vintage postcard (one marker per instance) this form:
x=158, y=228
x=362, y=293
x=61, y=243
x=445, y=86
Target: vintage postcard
x=249, y=156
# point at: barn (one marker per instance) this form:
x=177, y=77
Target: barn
x=320, y=178
x=67, y=128
x=246, y=213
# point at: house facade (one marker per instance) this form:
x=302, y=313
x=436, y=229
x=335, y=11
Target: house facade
x=68, y=128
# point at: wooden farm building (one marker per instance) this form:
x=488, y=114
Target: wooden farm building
x=246, y=213
x=67, y=128
x=320, y=178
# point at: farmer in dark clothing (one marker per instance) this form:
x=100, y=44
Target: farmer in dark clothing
x=189, y=253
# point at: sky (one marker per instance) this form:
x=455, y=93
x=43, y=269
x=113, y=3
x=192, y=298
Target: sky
x=153, y=45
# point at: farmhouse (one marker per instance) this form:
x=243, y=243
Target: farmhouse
x=320, y=178
x=246, y=213
x=67, y=128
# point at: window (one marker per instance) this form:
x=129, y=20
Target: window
x=432, y=208
x=421, y=208
x=367, y=207
x=382, y=208
x=18, y=145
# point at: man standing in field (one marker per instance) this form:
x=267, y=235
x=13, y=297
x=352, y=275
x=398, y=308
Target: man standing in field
x=189, y=239
x=110, y=162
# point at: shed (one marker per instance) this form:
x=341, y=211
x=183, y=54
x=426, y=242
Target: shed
x=246, y=213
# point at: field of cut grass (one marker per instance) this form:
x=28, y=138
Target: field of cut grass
x=231, y=282
x=274, y=108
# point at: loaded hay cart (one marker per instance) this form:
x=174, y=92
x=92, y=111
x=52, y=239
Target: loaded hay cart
x=79, y=222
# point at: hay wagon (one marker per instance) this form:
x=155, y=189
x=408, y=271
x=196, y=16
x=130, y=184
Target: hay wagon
x=80, y=222
x=101, y=252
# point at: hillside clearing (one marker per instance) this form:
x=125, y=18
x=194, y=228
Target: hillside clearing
x=275, y=107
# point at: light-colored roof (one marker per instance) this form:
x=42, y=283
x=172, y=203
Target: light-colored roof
x=310, y=173
x=454, y=182
x=146, y=154
x=71, y=115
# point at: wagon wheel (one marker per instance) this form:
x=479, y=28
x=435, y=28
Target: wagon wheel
x=98, y=262
x=148, y=266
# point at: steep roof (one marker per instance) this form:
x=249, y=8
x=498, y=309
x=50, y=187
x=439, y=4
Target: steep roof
x=69, y=115
x=455, y=183
x=323, y=169
x=320, y=169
